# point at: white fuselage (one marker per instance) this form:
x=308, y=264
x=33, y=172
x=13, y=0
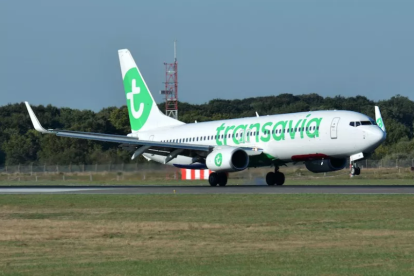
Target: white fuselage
x=286, y=137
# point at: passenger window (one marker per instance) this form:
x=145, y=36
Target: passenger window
x=358, y=124
x=352, y=124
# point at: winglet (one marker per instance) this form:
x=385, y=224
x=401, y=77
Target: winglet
x=378, y=119
x=34, y=119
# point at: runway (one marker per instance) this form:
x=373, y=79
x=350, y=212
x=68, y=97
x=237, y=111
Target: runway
x=245, y=189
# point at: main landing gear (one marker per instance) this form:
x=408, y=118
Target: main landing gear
x=217, y=179
x=355, y=170
x=276, y=177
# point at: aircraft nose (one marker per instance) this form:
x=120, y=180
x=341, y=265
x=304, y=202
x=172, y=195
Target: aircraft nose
x=378, y=136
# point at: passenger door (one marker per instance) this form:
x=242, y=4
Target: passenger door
x=334, y=128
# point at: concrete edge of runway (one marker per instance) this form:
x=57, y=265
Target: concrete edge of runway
x=236, y=189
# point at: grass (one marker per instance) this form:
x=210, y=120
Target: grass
x=206, y=235
x=294, y=176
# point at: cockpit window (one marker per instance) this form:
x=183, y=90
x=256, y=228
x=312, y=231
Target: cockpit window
x=362, y=123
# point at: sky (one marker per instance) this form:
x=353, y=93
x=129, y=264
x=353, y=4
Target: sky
x=64, y=53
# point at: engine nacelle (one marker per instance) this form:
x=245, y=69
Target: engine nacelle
x=227, y=160
x=326, y=165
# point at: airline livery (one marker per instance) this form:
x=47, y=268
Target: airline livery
x=322, y=140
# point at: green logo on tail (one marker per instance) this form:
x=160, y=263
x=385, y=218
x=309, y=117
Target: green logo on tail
x=218, y=159
x=139, y=100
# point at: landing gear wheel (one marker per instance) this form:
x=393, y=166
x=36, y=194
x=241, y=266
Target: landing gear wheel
x=279, y=178
x=355, y=170
x=213, y=179
x=222, y=179
x=271, y=178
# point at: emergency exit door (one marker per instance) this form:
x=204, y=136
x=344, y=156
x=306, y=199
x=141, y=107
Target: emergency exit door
x=334, y=128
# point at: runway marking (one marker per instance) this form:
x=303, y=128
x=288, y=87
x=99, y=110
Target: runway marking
x=43, y=190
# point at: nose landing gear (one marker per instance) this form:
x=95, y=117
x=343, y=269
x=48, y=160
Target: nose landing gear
x=276, y=177
x=355, y=170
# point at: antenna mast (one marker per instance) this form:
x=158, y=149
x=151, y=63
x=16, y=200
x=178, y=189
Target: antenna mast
x=171, y=86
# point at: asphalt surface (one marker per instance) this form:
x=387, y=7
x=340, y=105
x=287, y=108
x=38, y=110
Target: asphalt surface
x=245, y=189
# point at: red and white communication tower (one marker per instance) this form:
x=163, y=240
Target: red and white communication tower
x=171, y=86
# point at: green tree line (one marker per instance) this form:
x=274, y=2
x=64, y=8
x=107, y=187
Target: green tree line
x=21, y=144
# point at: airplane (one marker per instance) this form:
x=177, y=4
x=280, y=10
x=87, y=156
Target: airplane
x=323, y=140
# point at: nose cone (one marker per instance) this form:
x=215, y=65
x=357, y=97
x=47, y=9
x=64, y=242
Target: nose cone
x=377, y=137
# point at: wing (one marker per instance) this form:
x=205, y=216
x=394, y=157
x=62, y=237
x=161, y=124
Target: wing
x=171, y=150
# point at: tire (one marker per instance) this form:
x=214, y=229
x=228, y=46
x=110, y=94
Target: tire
x=213, y=179
x=271, y=178
x=280, y=178
x=353, y=170
x=222, y=179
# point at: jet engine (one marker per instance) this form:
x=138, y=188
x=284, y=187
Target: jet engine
x=326, y=165
x=227, y=160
